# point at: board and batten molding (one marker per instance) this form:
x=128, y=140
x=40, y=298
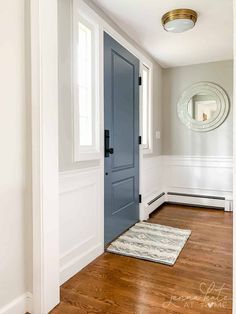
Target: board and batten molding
x=81, y=219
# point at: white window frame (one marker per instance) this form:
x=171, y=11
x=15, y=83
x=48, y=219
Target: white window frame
x=81, y=152
x=147, y=149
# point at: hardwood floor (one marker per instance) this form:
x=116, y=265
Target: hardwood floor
x=200, y=281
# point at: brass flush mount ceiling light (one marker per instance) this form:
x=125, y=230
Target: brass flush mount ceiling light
x=180, y=20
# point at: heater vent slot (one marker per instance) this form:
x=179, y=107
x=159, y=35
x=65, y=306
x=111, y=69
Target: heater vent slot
x=156, y=198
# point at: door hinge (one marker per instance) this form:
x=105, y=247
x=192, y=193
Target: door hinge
x=140, y=80
x=140, y=198
x=140, y=140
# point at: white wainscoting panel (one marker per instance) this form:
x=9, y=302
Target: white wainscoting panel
x=209, y=176
x=151, y=178
x=82, y=203
x=81, y=219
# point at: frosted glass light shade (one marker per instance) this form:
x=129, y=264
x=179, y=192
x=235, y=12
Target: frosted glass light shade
x=179, y=25
x=179, y=20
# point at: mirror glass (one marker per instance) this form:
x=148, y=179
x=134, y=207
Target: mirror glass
x=202, y=107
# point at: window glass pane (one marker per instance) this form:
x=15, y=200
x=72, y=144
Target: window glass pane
x=85, y=117
x=85, y=85
x=145, y=84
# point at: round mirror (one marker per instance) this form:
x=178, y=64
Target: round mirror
x=203, y=106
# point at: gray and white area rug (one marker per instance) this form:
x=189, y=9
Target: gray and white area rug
x=153, y=242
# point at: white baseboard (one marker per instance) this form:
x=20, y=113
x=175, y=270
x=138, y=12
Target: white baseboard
x=76, y=264
x=20, y=305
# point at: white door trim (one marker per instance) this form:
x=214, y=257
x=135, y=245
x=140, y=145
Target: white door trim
x=234, y=159
x=44, y=99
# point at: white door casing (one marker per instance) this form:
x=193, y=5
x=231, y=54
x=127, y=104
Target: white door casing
x=44, y=99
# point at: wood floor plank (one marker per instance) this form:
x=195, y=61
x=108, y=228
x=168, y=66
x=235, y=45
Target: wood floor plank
x=200, y=282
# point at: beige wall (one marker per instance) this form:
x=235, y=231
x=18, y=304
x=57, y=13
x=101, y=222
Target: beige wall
x=15, y=162
x=178, y=139
x=157, y=109
x=65, y=99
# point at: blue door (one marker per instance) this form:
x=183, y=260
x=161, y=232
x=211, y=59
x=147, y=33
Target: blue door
x=121, y=91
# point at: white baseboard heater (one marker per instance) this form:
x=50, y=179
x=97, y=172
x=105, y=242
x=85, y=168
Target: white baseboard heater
x=156, y=198
x=152, y=205
x=209, y=201
x=198, y=200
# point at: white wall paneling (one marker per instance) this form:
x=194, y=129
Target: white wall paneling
x=151, y=174
x=150, y=184
x=81, y=219
x=208, y=176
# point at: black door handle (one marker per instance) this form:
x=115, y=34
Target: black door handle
x=108, y=150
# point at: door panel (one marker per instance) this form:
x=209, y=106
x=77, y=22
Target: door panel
x=121, y=71
x=123, y=194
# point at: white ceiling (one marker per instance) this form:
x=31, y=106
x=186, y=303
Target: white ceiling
x=210, y=40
